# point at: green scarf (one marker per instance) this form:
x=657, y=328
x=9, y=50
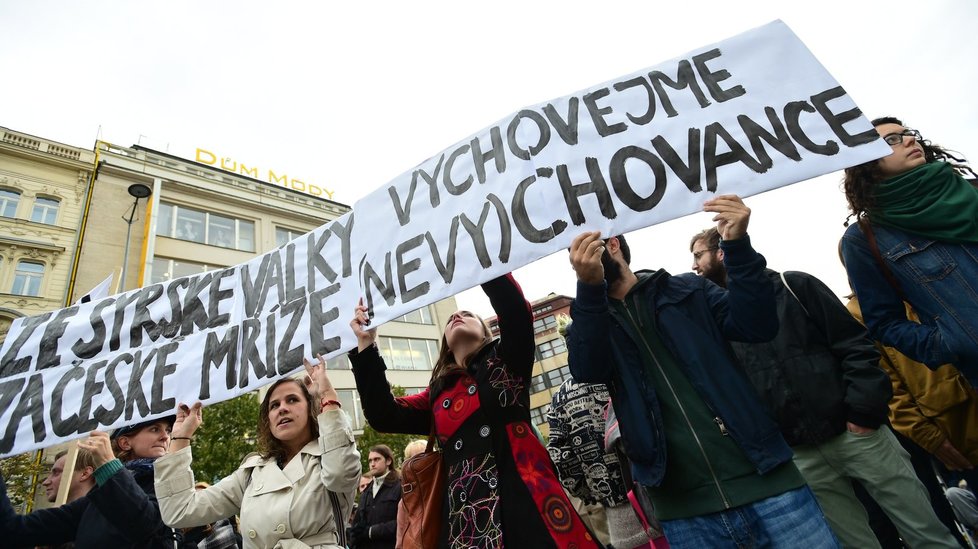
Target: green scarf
x=931, y=200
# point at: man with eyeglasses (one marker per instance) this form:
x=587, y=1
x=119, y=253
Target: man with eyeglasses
x=821, y=379
x=707, y=255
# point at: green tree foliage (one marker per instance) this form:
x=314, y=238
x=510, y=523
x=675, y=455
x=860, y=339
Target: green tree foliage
x=228, y=434
x=18, y=473
x=371, y=438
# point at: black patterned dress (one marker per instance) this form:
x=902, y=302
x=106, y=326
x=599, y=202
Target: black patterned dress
x=502, y=487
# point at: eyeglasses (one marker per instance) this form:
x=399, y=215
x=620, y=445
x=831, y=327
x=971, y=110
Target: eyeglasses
x=894, y=139
x=699, y=254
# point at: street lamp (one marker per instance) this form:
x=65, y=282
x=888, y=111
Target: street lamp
x=137, y=191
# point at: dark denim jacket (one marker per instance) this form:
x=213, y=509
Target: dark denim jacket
x=695, y=318
x=939, y=280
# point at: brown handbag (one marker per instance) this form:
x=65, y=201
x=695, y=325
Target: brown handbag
x=423, y=494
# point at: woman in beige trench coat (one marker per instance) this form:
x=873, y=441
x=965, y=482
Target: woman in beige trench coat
x=293, y=494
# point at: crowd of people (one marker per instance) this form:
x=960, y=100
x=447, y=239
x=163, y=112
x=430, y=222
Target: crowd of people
x=732, y=406
x=755, y=408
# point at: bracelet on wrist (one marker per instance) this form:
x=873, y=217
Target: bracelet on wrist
x=326, y=402
x=182, y=438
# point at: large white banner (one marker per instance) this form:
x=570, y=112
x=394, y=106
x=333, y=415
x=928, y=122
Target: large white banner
x=743, y=116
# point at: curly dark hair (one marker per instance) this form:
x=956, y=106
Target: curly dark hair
x=860, y=181
x=268, y=445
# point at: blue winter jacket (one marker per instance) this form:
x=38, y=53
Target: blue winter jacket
x=695, y=318
x=939, y=280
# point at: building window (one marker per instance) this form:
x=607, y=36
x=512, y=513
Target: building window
x=538, y=416
x=550, y=348
x=167, y=269
x=550, y=379
x=45, y=210
x=543, y=309
x=538, y=383
x=8, y=202
x=408, y=354
x=283, y=236
x=185, y=223
x=189, y=224
x=338, y=362
x=544, y=324
x=350, y=402
x=420, y=316
x=221, y=231
x=558, y=376
x=27, y=278
x=342, y=361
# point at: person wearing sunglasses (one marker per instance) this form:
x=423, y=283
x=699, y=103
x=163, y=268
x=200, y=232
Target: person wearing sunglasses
x=916, y=241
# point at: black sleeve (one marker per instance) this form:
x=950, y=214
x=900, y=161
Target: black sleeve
x=516, y=344
x=132, y=508
x=589, y=336
x=867, y=387
x=746, y=311
x=383, y=531
x=42, y=527
x=384, y=412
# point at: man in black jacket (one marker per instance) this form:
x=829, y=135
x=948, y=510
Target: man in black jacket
x=375, y=524
x=821, y=378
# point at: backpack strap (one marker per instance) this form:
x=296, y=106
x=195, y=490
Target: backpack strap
x=431, y=436
x=867, y=229
x=792, y=292
x=816, y=324
x=338, y=520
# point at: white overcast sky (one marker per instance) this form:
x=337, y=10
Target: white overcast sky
x=348, y=95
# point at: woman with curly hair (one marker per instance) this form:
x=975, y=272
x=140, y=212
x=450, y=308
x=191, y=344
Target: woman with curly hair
x=916, y=240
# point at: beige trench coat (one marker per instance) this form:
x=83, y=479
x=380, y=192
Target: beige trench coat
x=286, y=508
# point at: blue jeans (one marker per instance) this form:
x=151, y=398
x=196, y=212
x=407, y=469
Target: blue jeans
x=792, y=519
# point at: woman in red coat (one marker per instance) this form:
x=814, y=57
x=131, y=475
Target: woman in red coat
x=502, y=487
